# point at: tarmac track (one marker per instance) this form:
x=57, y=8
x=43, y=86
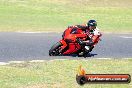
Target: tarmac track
x=35, y=46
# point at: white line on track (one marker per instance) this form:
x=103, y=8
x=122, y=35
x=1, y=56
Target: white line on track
x=37, y=32
x=3, y=63
x=30, y=32
x=19, y=62
x=127, y=37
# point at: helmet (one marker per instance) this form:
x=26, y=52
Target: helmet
x=92, y=23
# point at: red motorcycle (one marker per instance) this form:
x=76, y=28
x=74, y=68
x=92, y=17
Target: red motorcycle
x=73, y=45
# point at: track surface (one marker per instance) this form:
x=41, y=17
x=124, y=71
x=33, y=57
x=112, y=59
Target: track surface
x=32, y=46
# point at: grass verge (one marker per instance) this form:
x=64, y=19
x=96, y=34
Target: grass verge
x=60, y=73
x=43, y=15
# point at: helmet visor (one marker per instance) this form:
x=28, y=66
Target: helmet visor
x=93, y=24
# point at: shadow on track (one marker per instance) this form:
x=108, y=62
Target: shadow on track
x=88, y=55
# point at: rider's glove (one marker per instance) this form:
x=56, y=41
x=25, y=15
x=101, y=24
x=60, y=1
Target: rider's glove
x=80, y=41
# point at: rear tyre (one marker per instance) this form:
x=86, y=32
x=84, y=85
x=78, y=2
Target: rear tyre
x=54, y=51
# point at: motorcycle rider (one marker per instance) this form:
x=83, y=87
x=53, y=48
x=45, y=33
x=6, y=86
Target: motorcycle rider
x=87, y=35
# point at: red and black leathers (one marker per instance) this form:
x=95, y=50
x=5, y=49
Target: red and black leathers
x=81, y=32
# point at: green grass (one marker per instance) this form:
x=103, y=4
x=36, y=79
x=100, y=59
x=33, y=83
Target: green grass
x=61, y=74
x=56, y=15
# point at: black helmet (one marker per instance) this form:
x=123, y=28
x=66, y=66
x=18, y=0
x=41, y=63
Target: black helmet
x=92, y=23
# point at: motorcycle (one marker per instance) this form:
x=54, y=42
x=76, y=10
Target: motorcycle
x=73, y=46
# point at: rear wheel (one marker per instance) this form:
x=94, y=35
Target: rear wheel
x=54, y=51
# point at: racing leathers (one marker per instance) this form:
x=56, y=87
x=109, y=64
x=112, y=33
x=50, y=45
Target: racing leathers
x=83, y=35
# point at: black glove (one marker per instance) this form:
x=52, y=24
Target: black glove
x=80, y=41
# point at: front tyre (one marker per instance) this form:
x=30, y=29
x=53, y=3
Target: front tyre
x=54, y=51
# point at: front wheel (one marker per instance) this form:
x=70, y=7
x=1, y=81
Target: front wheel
x=54, y=51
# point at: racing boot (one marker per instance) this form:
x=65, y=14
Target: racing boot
x=86, y=51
